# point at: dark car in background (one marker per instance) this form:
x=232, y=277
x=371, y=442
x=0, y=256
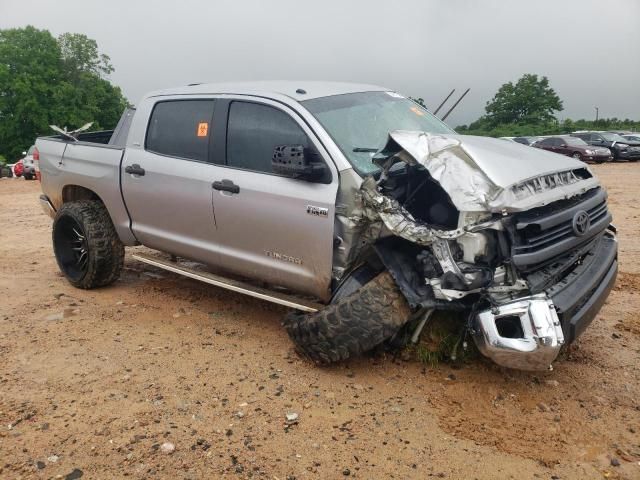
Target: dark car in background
x=523, y=140
x=526, y=140
x=576, y=148
x=621, y=148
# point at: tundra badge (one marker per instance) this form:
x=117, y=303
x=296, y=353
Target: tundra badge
x=317, y=211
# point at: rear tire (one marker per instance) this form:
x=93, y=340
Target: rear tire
x=353, y=324
x=87, y=247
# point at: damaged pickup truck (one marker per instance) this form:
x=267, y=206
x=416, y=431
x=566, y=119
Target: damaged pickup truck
x=352, y=205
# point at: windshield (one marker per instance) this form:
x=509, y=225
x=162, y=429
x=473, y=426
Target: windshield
x=360, y=123
x=612, y=137
x=576, y=142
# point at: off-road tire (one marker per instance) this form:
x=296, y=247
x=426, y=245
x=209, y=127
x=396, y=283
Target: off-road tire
x=105, y=250
x=353, y=324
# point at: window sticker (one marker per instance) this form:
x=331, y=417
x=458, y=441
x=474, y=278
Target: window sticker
x=417, y=111
x=203, y=129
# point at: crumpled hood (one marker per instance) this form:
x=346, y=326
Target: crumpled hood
x=488, y=174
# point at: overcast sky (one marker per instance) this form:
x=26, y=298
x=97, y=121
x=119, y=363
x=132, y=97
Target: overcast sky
x=589, y=49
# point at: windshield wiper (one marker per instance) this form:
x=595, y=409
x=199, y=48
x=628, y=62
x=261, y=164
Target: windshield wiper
x=365, y=150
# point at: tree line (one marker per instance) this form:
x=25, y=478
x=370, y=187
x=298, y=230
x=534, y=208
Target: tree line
x=52, y=81
x=528, y=108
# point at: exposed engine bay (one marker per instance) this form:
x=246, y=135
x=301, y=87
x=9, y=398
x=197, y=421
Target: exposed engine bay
x=454, y=238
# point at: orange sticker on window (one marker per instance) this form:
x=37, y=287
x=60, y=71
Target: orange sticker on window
x=203, y=129
x=417, y=111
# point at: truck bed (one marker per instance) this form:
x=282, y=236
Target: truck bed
x=70, y=169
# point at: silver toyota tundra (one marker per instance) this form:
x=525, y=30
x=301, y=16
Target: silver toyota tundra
x=351, y=204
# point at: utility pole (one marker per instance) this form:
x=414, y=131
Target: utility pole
x=597, y=111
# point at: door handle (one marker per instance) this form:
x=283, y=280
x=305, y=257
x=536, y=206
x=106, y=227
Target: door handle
x=226, y=186
x=134, y=169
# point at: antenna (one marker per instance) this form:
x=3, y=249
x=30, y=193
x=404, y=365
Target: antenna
x=444, y=101
x=455, y=104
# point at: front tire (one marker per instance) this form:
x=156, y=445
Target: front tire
x=353, y=324
x=86, y=245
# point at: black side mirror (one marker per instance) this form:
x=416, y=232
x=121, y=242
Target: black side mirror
x=294, y=161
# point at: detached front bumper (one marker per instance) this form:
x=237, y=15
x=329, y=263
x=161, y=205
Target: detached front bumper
x=527, y=333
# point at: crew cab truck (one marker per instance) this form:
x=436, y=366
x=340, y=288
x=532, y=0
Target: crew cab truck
x=353, y=205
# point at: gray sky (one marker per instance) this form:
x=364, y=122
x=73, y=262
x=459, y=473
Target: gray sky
x=589, y=49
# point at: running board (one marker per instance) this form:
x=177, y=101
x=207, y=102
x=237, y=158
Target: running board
x=229, y=284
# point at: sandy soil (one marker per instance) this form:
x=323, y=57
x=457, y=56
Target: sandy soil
x=93, y=383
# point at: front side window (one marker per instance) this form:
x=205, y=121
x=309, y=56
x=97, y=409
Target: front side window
x=181, y=128
x=253, y=132
x=359, y=123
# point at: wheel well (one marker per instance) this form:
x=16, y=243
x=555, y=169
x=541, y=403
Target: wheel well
x=71, y=193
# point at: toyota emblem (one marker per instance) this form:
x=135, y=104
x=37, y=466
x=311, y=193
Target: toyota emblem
x=581, y=223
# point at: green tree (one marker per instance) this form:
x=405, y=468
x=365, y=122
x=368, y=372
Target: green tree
x=529, y=101
x=80, y=54
x=46, y=81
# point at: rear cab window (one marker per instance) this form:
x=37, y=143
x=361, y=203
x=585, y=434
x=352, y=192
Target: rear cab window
x=181, y=128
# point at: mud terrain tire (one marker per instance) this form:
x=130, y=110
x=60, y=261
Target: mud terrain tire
x=86, y=225
x=353, y=324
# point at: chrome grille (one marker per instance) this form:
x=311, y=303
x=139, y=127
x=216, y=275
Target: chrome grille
x=544, y=234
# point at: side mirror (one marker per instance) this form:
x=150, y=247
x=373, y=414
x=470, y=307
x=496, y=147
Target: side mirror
x=294, y=161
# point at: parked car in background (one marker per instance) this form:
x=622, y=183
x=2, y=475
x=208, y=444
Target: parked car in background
x=621, y=148
x=632, y=137
x=6, y=171
x=523, y=140
x=576, y=148
x=29, y=163
x=18, y=168
x=526, y=140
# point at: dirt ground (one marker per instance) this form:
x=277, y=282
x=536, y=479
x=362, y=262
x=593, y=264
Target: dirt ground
x=94, y=383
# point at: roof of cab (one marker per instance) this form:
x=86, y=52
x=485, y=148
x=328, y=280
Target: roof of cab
x=292, y=89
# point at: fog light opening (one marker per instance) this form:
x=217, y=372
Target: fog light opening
x=509, y=327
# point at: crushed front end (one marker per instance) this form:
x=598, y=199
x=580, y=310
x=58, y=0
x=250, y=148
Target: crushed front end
x=531, y=261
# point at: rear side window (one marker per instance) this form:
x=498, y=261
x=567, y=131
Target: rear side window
x=181, y=128
x=254, y=130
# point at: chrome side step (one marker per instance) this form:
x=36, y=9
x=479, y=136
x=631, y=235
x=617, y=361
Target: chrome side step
x=229, y=284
